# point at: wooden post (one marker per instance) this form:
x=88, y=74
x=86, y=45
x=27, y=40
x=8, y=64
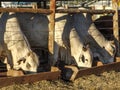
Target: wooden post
x=51, y=31
x=116, y=25
x=30, y=10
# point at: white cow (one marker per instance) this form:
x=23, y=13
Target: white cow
x=22, y=55
x=35, y=28
x=101, y=47
x=74, y=48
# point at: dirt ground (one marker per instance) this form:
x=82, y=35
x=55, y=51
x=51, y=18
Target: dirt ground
x=105, y=81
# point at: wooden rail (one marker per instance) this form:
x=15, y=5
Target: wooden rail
x=31, y=10
x=33, y=0
x=99, y=69
x=84, y=11
x=25, y=0
x=5, y=81
x=72, y=72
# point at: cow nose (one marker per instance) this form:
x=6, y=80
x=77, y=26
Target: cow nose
x=83, y=59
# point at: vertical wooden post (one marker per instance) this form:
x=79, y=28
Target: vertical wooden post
x=116, y=25
x=51, y=31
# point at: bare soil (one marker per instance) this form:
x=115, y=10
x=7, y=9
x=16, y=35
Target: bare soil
x=105, y=81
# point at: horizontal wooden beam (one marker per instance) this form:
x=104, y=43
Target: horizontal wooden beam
x=30, y=10
x=84, y=11
x=97, y=70
x=5, y=81
x=33, y=0
x=24, y=0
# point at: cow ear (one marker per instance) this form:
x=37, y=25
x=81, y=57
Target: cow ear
x=84, y=48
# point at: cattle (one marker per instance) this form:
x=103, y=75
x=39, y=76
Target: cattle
x=101, y=48
x=35, y=28
x=81, y=53
x=16, y=42
x=73, y=48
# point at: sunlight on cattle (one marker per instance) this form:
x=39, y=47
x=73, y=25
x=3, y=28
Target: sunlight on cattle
x=22, y=55
x=79, y=46
x=81, y=53
x=101, y=48
x=71, y=49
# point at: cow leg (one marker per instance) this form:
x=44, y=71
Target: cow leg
x=56, y=51
x=7, y=65
x=8, y=59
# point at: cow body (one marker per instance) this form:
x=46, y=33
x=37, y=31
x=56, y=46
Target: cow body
x=66, y=48
x=68, y=38
x=35, y=27
x=22, y=55
x=101, y=47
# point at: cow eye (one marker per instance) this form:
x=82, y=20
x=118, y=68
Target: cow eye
x=21, y=60
x=82, y=58
x=28, y=65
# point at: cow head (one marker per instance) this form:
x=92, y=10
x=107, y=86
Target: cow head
x=29, y=63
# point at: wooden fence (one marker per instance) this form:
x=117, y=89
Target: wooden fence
x=52, y=10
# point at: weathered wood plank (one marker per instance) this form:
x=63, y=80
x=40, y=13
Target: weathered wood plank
x=32, y=0
x=99, y=69
x=25, y=0
x=31, y=10
x=84, y=11
x=116, y=25
x=5, y=81
x=117, y=59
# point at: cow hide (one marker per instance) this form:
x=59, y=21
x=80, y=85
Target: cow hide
x=22, y=55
